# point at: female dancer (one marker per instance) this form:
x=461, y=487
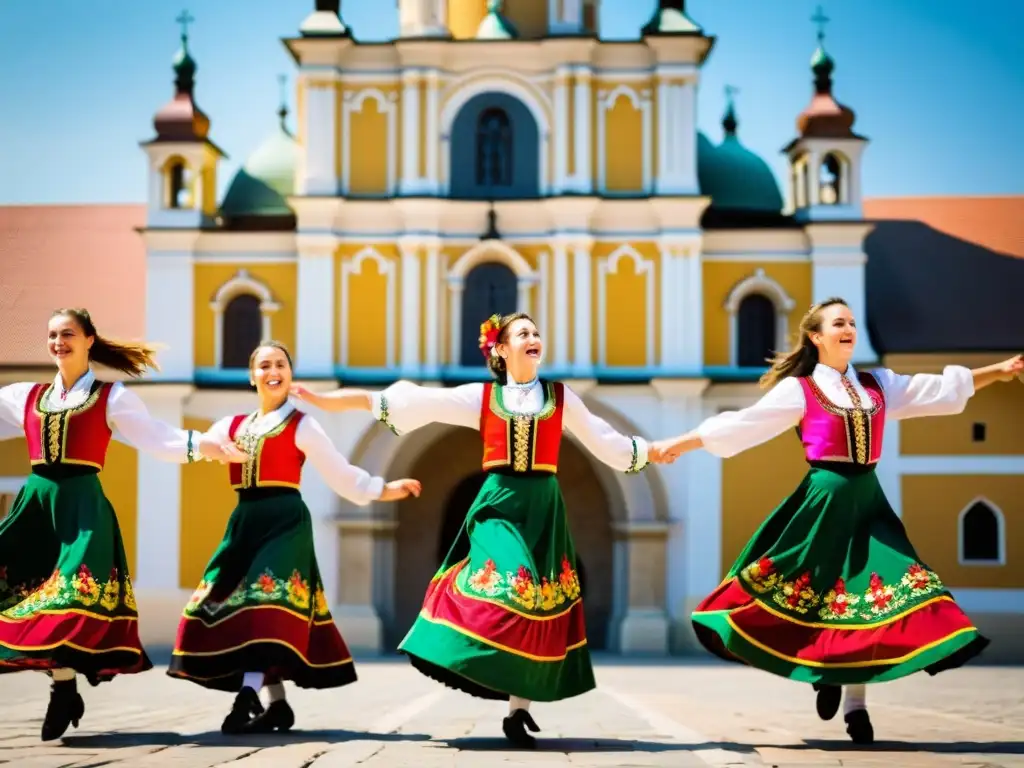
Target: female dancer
x=259, y=615
x=829, y=590
x=507, y=621
x=66, y=598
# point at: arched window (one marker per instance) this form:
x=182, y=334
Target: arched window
x=243, y=329
x=830, y=180
x=177, y=186
x=981, y=534
x=490, y=288
x=756, y=326
x=494, y=148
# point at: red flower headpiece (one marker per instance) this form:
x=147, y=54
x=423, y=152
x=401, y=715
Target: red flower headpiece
x=489, y=335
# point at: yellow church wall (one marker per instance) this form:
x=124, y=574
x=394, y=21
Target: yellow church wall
x=366, y=304
x=120, y=481
x=623, y=145
x=570, y=117
x=625, y=306
x=206, y=503
x=754, y=483
x=1000, y=407
x=14, y=458
x=464, y=17
x=529, y=17
x=931, y=508
x=281, y=279
x=721, y=277
x=368, y=140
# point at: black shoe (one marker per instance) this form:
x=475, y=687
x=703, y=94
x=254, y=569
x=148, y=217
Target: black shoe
x=277, y=717
x=66, y=708
x=246, y=706
x=829, y=697
x=858, y=726
x=515, y=725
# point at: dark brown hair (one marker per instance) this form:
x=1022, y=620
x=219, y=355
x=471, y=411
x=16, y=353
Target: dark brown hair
x=131, y=357
x=271, y=345
x=495, y=361
x=802, y=358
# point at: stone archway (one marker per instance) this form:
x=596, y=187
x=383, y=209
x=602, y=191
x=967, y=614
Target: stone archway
x=426, y=526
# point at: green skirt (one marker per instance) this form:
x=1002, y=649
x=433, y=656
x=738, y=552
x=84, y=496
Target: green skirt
x=260, y=606
x=66, y=598
x=830, y=590
x=508, y=619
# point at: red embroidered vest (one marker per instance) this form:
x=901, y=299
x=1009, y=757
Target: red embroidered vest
x=78, y=435
x=519, y=442
x=849, y=435
x=274, y=459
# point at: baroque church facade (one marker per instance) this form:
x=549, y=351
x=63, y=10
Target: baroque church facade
x=499, y=156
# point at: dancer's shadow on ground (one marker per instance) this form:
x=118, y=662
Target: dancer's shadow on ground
x=937, y=747
x=585, y=745
x=217, y=739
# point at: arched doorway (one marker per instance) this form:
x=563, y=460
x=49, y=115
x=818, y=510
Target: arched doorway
x=427, y=527
x=491, y=288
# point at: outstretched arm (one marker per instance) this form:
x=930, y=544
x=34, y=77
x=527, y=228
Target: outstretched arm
x=405, y=406
x=626, y=454
x=133, y=424
x=348, y=481
x=733, y=432
x=12, y=409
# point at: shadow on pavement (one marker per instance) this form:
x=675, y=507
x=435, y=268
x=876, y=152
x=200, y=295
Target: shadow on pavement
x=216, y=738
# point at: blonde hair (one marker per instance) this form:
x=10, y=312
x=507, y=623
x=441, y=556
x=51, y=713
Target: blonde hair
x=801, y=359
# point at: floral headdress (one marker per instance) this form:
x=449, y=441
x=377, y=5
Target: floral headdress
x=489, y=334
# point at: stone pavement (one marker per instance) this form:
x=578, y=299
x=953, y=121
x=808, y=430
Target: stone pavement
x=678, y=714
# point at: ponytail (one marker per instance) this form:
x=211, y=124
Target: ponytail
x=803, y=357
x=129, y=357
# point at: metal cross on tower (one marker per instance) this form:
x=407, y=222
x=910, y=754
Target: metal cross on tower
x=821, y=20
x=184, y=18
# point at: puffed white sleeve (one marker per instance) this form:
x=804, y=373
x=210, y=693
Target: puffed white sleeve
x=12, y=409
x=405, y=406
x=348, y=481
x=925, y=394
x=133, y=425
x=732, y=432
x=626, y=454
x=219, y=431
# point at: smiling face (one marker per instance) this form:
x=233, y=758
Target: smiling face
x=271, y=373
x=522, y=349
x=67, y=343
x=837, y=336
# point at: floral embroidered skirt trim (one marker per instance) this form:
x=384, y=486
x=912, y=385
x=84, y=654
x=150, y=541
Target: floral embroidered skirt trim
x=507, y=619
x=260, y=606
x=66, y=597
x=830, y=590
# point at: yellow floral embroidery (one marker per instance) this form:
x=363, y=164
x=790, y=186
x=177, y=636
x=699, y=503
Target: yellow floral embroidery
x=267, y=588
x=523, y=589
x=59, y=593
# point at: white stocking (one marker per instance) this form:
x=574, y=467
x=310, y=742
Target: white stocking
x=276, y=691
x=253, y=680
x=855, y=697
x=514, y=703
x=62, y=674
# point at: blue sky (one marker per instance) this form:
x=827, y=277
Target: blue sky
x=937, y=85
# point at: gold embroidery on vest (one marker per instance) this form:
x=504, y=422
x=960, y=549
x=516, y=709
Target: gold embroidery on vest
x=858, y=415
x=521, y=443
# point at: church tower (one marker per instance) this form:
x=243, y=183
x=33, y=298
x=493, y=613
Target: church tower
x=825, y=191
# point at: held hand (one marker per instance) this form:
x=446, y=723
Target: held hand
x=1014, y=367
x=661, y=452
x=299, y=392
x=397, y=490
x=225, y=453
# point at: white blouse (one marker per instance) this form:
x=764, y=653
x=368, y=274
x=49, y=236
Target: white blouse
x=127, y=417
x=782, y=408
x=348, y=481
x=410, y=407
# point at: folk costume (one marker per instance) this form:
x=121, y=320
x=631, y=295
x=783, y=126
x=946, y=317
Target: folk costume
x=830, y=591
x=259, y=615
x=66, y=599
x=507, y=621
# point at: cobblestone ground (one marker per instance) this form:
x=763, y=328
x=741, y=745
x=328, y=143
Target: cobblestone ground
x=682, y=715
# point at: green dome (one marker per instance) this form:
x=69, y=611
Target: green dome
x=262, y=186
x=733, y=176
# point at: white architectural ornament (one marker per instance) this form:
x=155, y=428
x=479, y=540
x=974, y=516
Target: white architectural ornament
x=387, y=105
x=605, y=103
x=459, y=92
x=1000, y=519
x=488, y=251
x=354, y=266
x=610, y=266
x=760, y=284
x=242, y=284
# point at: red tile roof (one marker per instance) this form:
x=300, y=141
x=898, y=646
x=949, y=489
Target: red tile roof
x=996, y=223
x=69, y=255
